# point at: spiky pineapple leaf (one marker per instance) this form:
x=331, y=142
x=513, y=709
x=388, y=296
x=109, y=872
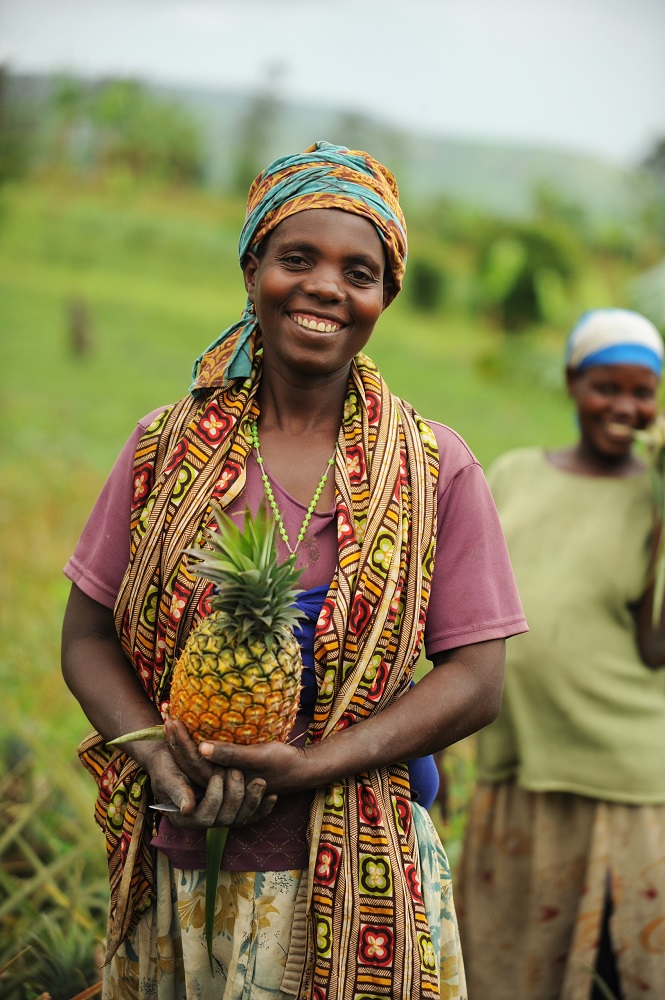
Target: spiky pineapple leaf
x=252, y=587
x=215, y=844
x=139, y=736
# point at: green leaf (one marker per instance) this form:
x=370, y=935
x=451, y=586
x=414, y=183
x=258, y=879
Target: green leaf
x=215, y=844
x=139, y=735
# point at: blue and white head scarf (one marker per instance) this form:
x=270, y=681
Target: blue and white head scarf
x=614, y=337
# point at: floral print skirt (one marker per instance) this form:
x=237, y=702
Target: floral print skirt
x=166, y=958
x=535, y=874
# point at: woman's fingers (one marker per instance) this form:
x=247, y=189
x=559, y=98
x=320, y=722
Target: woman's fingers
x=234, y=794
x=185, y=753
x=227, y=802
x=169, y=784
x=255, y=804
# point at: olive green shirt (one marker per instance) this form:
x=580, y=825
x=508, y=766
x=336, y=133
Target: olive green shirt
x=581, y=711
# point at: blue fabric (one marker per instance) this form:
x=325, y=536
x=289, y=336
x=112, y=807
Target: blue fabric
x=423, y=773
x=624, y=354
x=311, y=602
x=424, y=778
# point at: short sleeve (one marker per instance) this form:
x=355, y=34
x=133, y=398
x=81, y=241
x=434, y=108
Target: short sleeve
x=98, y=563
x=474, y=595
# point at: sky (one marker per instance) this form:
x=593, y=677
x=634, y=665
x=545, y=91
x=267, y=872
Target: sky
x=579, y=75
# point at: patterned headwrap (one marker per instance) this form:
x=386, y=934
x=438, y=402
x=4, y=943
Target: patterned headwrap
x=324, y=176
x=614, y=337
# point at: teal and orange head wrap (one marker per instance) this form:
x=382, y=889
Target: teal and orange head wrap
x=324, y=176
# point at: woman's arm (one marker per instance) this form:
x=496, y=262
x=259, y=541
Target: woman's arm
x=101, y=679
x=650, y=639
x=459, y=696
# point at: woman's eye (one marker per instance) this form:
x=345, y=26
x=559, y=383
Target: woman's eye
x=294, y=260
x=362, y=277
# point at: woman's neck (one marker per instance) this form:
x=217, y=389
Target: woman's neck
x=290, y=406
x=581, y=460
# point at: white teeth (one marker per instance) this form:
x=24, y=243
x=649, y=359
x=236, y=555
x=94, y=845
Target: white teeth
x=319, y=326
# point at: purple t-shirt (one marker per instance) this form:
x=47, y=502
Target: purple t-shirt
x=473, y=598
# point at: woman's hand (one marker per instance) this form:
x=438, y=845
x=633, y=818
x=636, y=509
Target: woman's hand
x=99, y=675
x=228, y=798
x=281, y=767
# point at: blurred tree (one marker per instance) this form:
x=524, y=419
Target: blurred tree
x=119, y=123
x=525, y=271
x=426, y=284
x=257, y=129
x=653, y=175
x=654, y=162
x=70, y=103
x=146, y=134
x=17, y=129
x=550, y=203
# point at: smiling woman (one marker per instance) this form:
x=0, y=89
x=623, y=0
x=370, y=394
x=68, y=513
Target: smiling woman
x=333, y=881
x=567, y=825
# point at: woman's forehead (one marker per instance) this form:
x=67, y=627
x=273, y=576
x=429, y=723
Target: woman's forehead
x=629, y=373
x=328, y=227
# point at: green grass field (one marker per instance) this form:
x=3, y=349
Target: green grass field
x=159, y=276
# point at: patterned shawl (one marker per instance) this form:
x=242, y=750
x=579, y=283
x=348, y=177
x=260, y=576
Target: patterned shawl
x=367, y=930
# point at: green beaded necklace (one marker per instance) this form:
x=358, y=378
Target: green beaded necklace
x=271, y=496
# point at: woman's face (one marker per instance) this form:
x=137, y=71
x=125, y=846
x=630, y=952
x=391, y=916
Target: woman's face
x=318, y=289
x=612, y=401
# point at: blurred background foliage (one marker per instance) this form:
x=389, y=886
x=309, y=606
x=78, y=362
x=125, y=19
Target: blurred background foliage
x=118, y=264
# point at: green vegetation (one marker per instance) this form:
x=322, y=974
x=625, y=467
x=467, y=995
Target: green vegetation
x=109, y=288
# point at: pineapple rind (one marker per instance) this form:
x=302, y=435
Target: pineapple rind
x=254, y=700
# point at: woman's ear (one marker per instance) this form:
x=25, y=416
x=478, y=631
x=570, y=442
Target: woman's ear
x=389, y=291
x=571, y=379
x=250, y=266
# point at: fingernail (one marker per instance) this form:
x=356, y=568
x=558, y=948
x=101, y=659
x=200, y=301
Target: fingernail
x=206, y=749
x=236, y=775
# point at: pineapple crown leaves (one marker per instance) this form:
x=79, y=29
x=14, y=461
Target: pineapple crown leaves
x=252, y=588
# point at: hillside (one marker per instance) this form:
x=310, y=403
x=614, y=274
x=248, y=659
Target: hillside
x=490, y=176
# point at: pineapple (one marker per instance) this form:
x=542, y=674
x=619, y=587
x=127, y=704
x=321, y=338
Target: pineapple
x=238, y=677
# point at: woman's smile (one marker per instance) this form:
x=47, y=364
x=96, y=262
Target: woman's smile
x=318, y=323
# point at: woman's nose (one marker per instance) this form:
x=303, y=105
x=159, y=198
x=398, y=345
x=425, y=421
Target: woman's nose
x=325, y=283
x=626, y=405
